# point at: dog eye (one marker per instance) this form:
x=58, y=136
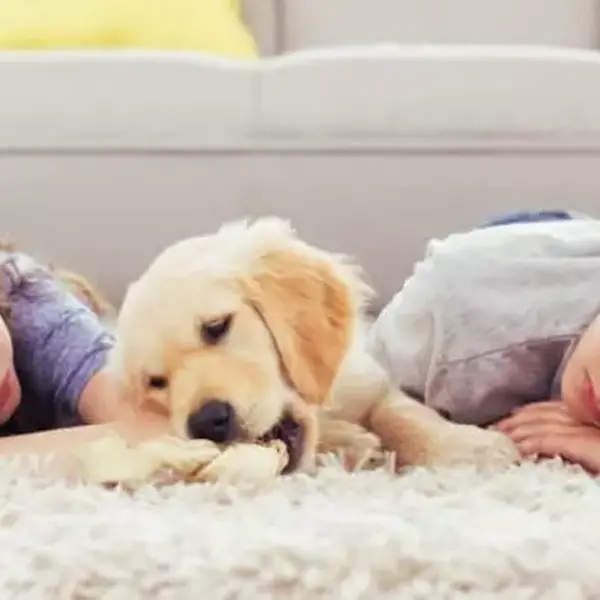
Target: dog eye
x=157, y=382
x=213, y=331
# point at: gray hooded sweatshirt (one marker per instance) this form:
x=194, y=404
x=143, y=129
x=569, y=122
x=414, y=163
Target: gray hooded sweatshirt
x=489, y=317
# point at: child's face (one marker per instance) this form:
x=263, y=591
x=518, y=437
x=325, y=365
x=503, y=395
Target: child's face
x=10, y=390
x=580, y=386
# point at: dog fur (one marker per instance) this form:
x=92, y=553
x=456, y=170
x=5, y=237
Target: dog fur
x=293, y=344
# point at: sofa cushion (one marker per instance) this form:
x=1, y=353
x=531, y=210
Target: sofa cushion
x=123, y=101
x=393, y=95
x=355, y=97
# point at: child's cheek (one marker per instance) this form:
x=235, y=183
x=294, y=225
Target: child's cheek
x=10, y=395
x=569, y=394
x=10, y=390
x=580, y=385
x=6, y=348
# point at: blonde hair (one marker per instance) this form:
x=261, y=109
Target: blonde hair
x=73, y=282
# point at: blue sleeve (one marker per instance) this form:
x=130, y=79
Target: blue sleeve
x=59, y=345
x=533, y=216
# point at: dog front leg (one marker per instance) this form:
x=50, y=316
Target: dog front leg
x=414, y=432
x=420, y=436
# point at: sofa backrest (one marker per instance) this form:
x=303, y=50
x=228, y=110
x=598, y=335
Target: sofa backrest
x=287, y=25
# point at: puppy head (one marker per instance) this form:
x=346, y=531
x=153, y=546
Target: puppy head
x=238, y=335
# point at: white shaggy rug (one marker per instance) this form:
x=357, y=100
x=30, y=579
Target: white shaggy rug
x=530, y=533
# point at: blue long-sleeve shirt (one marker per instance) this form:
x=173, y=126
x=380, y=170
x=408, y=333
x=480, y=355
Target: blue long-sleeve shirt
x=59, y=345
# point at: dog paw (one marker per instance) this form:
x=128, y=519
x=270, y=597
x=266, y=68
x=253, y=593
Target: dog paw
x=470, y=445
x=355, y=446
x=344, y=436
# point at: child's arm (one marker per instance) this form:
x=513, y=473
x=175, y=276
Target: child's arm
x=63, y=444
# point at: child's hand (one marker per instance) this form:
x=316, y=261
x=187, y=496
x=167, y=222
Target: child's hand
x=547, y=429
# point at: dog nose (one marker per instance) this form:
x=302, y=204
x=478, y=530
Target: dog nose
x=215, y=421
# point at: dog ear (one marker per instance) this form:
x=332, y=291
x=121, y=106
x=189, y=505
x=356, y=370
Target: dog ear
x=310, y=310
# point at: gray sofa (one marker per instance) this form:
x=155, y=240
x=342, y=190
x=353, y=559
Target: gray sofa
x=373, y=126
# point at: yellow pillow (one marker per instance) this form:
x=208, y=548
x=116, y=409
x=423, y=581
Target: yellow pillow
x=209, y=26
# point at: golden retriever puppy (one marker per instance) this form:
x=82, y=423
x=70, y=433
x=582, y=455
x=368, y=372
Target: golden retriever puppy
x=251, y=334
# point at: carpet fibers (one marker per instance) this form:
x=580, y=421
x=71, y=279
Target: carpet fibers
x=532, y=532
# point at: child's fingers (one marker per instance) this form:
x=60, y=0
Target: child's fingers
x=551, y=410
x=583, y=450
x=541, y=417
x=541, y=407
x=543, y=445
x=539, y=429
